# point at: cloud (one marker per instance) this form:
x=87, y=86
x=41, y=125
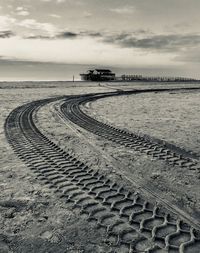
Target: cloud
x=168, y=43
x=139, y=39
x=6, y=22
x=32, y=24
x=19, y=8
x=81, y=50
x=87, y=14
x=61, y=35
x=92, y=34
x=67, y=35
x=6, y=34
x=21, y=11
x=26, y=27
x=54, y=15
x=123, y=10
x=142, y=40
x=192, y=55
x=39, y=37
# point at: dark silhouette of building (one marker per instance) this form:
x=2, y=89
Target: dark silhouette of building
x=98, y=75
x=108, y=75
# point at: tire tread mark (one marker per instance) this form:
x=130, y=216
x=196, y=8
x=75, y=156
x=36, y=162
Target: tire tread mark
x=64, y=174
x=144, y=144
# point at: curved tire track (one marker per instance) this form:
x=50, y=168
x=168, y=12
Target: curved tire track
x=130, y=221
x=145, y=144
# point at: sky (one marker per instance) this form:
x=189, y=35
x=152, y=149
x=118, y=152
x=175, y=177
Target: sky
x=52, y=39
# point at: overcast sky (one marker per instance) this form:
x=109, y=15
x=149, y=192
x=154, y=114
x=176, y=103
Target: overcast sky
x=134, y=34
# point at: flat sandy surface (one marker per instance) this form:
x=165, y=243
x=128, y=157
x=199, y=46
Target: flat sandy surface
x=32, y=219
x=170, y=116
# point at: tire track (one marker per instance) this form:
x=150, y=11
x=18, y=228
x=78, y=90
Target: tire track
x=156, y=148
x=130, y=221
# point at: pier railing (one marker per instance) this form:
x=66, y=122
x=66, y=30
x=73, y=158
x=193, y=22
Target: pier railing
x=154, y=78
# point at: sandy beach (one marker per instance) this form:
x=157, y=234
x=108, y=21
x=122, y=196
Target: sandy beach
x=34, y=220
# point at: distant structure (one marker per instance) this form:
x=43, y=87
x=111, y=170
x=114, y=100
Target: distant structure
x=98, y=75
x=154, y=78
x=108, y=75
